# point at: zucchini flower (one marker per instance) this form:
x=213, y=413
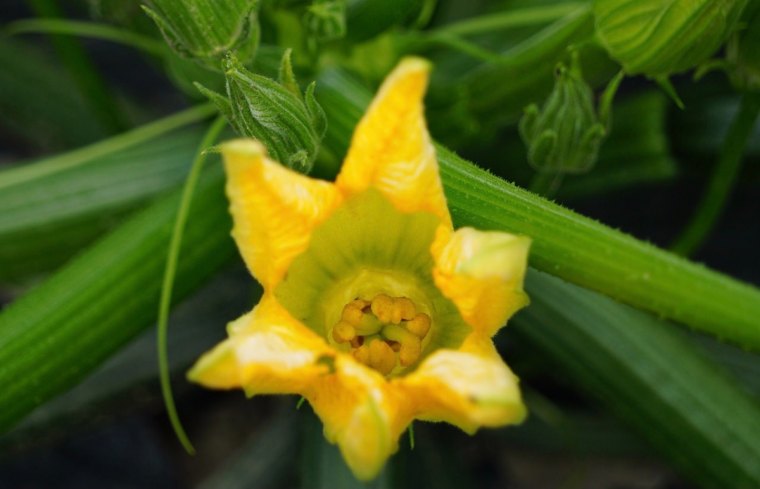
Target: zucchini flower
x=375, y=309
x=660, y=37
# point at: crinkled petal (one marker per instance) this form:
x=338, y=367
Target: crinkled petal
x=274, y=209
x=470, y=387
x=482, y=272
x=268, y=352
x=360, y=413
x=391, y=148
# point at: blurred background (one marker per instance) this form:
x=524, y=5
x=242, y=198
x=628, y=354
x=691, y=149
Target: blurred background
x=111, y=430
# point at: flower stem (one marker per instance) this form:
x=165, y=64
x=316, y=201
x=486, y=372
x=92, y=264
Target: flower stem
x=512, y=18
x=169, y=273
x=723, y=178
x=87, y=29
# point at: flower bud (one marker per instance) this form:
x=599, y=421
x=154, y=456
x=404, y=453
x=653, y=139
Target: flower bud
x=658, y=38
x=289, y=123
x=564, y=136
x=325, y=20
x=207, y=29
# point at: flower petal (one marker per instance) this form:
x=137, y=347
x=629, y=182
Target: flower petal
x=469, y=388
x=267, y=352
x=391, y=148
x=360, y=414
x=274, y=209
x=482, y=272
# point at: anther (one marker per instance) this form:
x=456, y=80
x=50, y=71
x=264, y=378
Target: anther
x=343, y=332
x=382, y=308
x=381, y=357
x=403, y=309
x=352, y=314
x=419, y=325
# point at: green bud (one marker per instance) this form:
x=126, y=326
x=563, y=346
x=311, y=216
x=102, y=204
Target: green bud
x=743, y=51
x=565, y=135
x=660, y=37
x=207, y=29
x=325, y=20
x=289, y=123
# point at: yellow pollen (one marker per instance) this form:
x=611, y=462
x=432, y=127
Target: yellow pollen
x=419, y=325
x=384, y=332
x=382, y=308
x=343, y=332
x=352, y=314
x=381, y=356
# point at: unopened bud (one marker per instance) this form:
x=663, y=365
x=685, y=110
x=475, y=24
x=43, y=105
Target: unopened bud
x=207, y=29
x=325, y=20
x=657, y=38
x=564, y=136
x=289, y=123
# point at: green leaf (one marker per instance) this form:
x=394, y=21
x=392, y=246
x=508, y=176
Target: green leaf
x=54, y=335
x=54, y=206
x=39, y=103
x=651, y=376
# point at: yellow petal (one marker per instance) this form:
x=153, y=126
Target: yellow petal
x=268, y=352
x=391, y=149
x=274, y=209
x=469, y=388
x=482, y=272
x=360, y=414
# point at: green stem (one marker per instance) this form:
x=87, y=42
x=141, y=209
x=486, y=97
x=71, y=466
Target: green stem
x=87, y=29
x=66, y=161
x=171, y=271
x=723, y=178
x=83, y=71
x=513, y=18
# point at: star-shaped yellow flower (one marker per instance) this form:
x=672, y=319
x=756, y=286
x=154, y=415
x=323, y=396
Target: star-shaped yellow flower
x=374, y=309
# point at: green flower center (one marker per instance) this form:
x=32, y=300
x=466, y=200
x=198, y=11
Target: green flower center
x=365, y=284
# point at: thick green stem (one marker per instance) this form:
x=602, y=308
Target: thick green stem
x=83, y=71
x=170, y=273
x=723, y=178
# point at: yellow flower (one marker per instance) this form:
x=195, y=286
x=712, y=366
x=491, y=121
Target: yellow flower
x=374, y=309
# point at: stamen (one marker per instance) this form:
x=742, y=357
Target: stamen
x=384, y=332
x=343, y=332
x=381, y=357
x=411, y=347
x=419, y=325
x=403, y=309
x=382, y=308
